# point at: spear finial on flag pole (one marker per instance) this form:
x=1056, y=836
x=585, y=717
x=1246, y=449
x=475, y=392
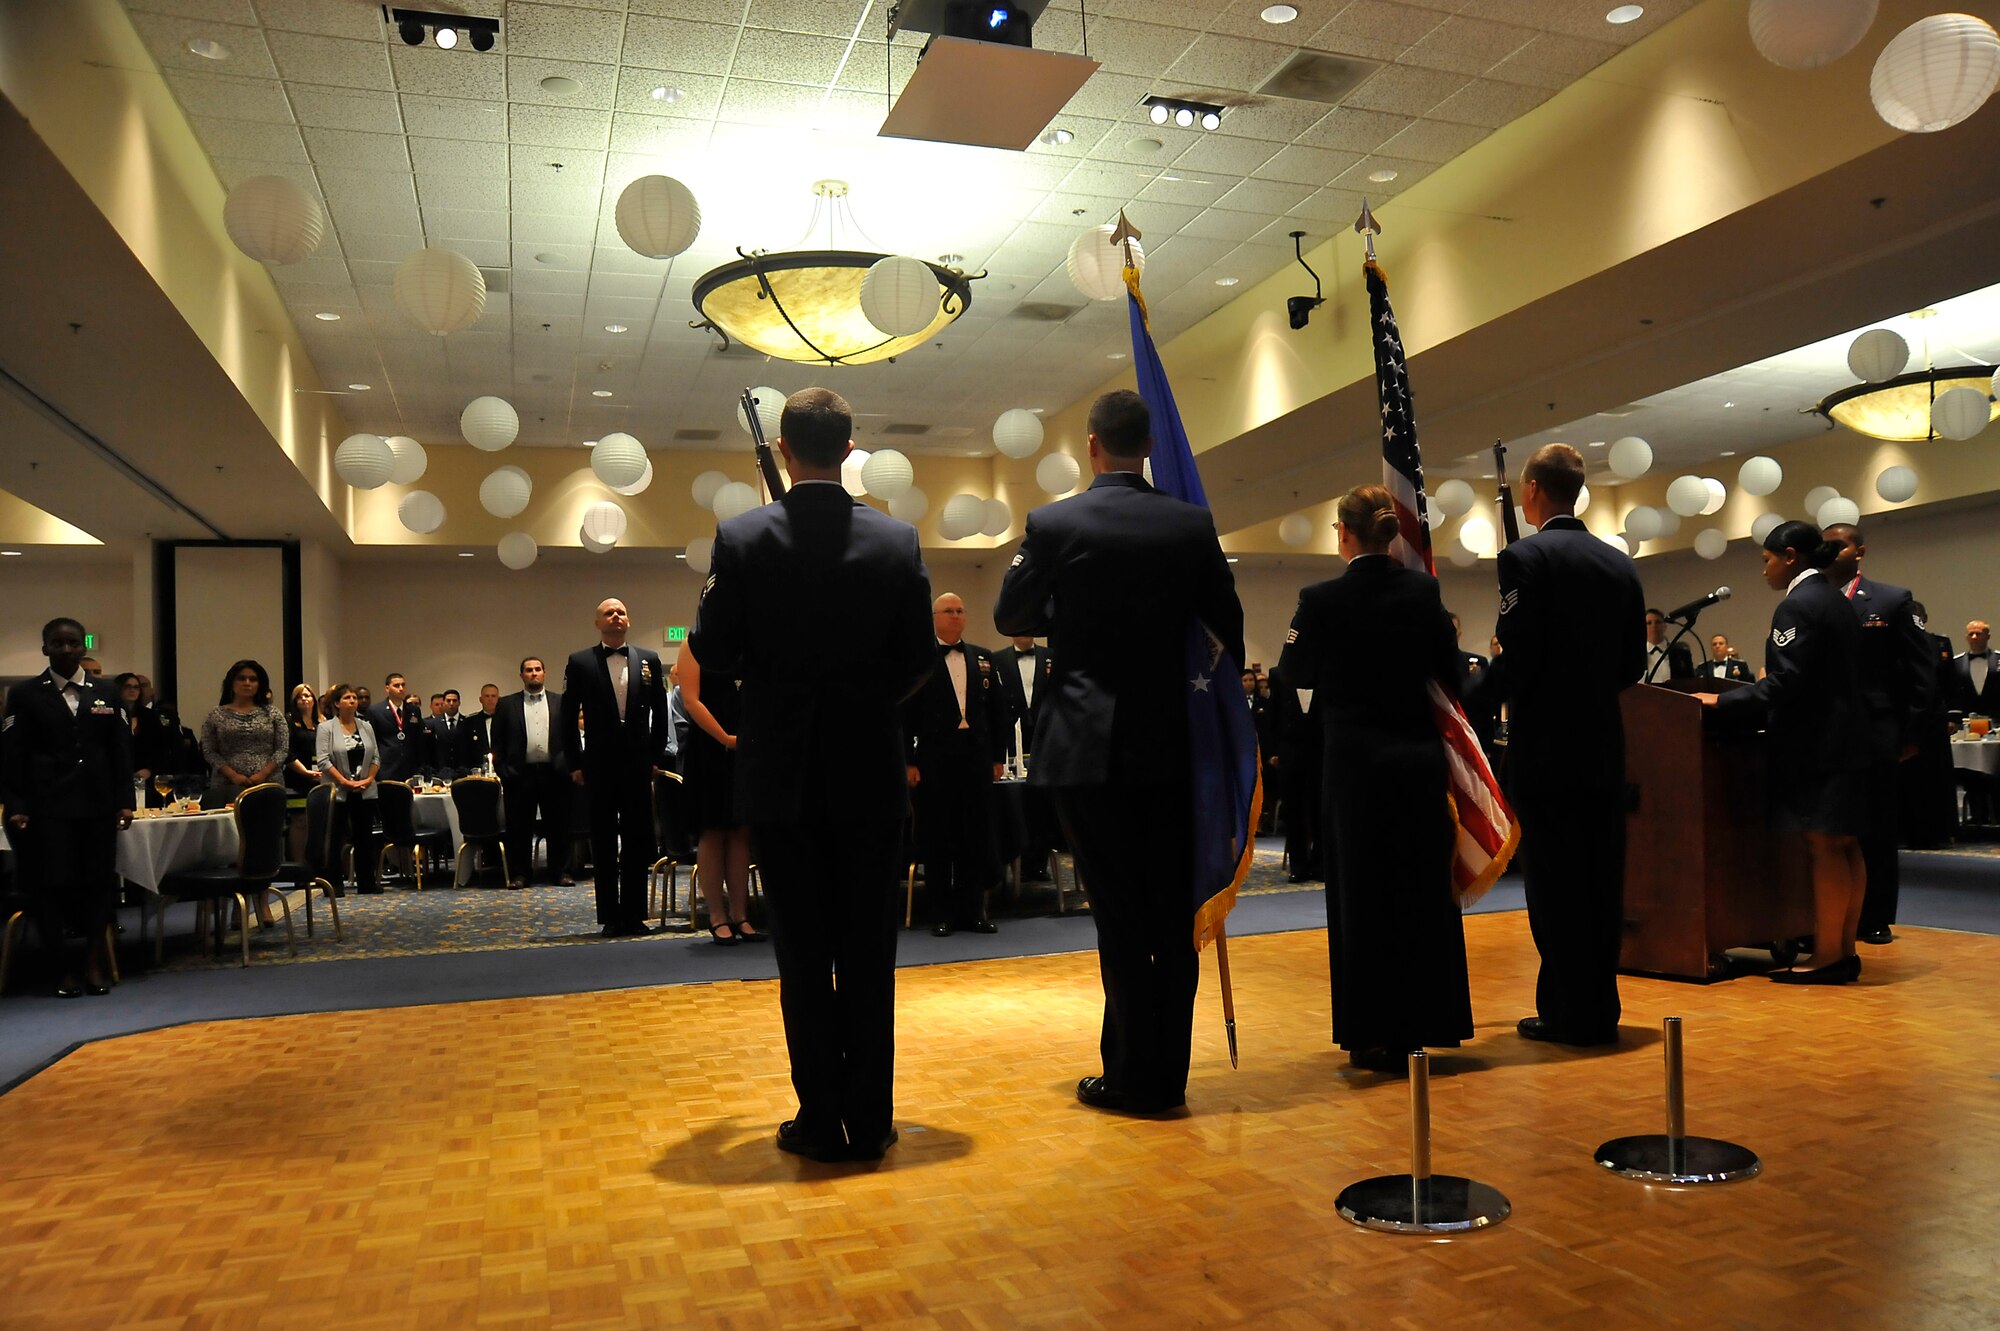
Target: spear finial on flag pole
x=1124, y=234
x=1368, y=228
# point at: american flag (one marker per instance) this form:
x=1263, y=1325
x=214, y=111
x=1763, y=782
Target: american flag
x=1487, y=830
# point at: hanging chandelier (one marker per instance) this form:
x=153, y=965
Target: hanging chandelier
x=805, y=304
x=1903, y=409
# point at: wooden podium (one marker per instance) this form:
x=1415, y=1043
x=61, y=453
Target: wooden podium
x=1703, y=872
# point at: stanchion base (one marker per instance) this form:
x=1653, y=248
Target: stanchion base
x=1657, y=1158
x=1440, y=1204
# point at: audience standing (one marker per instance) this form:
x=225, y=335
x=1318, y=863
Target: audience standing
x=1664, y=660
x=1976, y=682
x=345, y=750
x=398, y=730
x=532, y=751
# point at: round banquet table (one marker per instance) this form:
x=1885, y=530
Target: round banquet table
x=1978, y=755
x=435, y=811
x=152, y=848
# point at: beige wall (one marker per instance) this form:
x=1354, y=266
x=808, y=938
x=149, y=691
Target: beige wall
x=37, y=589
x=229, y=604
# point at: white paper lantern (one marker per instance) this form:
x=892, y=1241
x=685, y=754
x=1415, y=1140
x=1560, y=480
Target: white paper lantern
x=1618, y=543
x=701, y=553
x=1687, y=496
x=272, y=220
x=1477, y=535
x=1433, y=516
x=1993, y=385
x=1936, y=72
x=440, y=291
x=1295, y=529
x=705, y=487
x=1644, y=523
x=1878, y=355
x=489, y=423
x=1960, y=413
x=618, y=459
x=1764, y=524
x=899, y=295
x=421, y=511
x=964, y=515
x=887, y=474
x=910, y=506
x=999, y=517
x=638, y=486
x=1898, y=485
x=1455, y=497
x=604, y=521
x=1838, y=512
x=1817, y=496
x=411, y=460
x=1717, y=497
x=850, y=472
x=770, y=410
x=505, y=491
x=1670, y=521
x=1631, y=457
x=658, y=216
x=364, y=461
x=1710, y=543
x=1462, y=557
x=1097, y=267
x=591, y=543
x=735, y=499
x=1018, y=432
x=517, y=550
x=1058, y=474
x=1760, y=476
x=1582, y=500
x=1805, y=34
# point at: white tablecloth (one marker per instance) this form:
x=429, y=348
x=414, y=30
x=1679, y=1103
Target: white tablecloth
x=1980, y=755
x=152, y=848
x=432, y=812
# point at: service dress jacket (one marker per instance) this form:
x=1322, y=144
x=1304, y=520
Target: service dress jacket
x=59, y=765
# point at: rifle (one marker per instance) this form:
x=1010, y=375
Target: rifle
x=767, y=461
x=1512, y=524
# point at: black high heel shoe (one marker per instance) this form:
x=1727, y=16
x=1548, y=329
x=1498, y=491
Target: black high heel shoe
x=1845, y=971
x=743, y=932
x=715, y=932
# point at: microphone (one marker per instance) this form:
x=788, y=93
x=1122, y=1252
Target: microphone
x=1699, y=604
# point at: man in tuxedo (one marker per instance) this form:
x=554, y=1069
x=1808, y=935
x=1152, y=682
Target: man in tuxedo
x=531, y=752
x=1723, y=662
x=398, y=729
x=1976, y=683
x=621, y=693
x=480, y=743
x=1022, y=667
x=1897, y=684
x=957, y=726
x=1574, y=623
x=66, y=779
x=1481, y=709
x=451, y=737
x=1117, y=576
x=677, y=729
x=1664, y=662
x=820, y=762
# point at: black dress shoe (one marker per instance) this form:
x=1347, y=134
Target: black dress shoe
x=1878, y=936
x=611, y=931
x=813, y=1146
x=67, y=987
x=941, y=930
x=565, y=881
x=1379, y=1059
x=1534, y=1028
x=1096, y=1093
x=876, y=1149
x=981, y=927
x=1845, y=971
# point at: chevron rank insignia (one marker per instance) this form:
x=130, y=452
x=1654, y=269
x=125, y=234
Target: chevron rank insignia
x=1918, y=620
x=1784, y=637
x=1291, y=636
x=708, y=586
x=7, y=724
x=1509, y=600
x=1015, y=562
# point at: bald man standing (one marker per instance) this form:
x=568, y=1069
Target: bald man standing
x=957, y=726
x=620, y=691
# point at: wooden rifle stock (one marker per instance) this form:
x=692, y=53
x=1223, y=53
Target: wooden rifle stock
x=767, y=461
x=1509, y=523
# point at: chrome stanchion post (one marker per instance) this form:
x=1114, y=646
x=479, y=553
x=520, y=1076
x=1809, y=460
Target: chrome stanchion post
x=1676, y=1157
x=1419, y=1202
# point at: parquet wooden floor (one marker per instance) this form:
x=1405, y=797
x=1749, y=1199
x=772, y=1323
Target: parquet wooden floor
x=604, y=1160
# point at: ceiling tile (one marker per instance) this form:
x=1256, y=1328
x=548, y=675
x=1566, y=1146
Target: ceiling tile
x=1402, y=90
x=463, y=73
x=478, y=193
x=167, y=37
x=369, y=276
x=261, y=100
x=1351, y=129
x=457, y=157
x=1202, y=190
x=357, y=22
x=826, y=18
x=443, y=225
x=1110, y=96
x=749, y=103
x=664, y=43
x=1243, y=18
x=233, y=171
x=1407, y=172
x=1264, y=197
x=546, y=229
x=567, y=168
x=1219, y=152
x=700, y=94
x=244, y=138
x=1489, y=103
x=784, y=57
x=1143, y=49
x=378, y=249
x=348, y=108
x=452, y=118
x=625, y=285
x=222, y=11
x=1552, y=60
x=658, y=138
x=1433, y=141
x=331, y=61
x=373, y=189
x=363, y=152
x=559, y=127
x=1376, y=29
x=598, y=84
x=1217, y=224
x=1233, y=63
x=1467, y=45
x=551, y=33
x=1306, y=166
x=365, y=219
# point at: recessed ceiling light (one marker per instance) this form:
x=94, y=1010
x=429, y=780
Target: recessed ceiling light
x=1184, y=117
x=446, y=38
x=1227, y=281
x=1382, y=176
x=683, y=555
x=1158, y=115
x=208, y=49
x=1036, y=411
x=1146, y=147
x=615, y=328
x=328, y=316
x=668, y=95
x=1597, y=443
x=1728, y=404
x=1233, y=559
x=1278, y=14
x=951, y=260
x=1625, y=14
x=600, y=392
x=1056, y=137
x=465, y=554
x=11, y=554
x=1728, y=453
x=1116, y=355
x=546, y=257
x=359, y=388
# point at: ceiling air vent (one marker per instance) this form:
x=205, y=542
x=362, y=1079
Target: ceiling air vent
x=497, y=279
x=1043, y=311
x=697, y=435
x=906, y=429
x=1316, y=76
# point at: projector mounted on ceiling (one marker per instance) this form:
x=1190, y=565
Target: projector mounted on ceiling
x=978, y=81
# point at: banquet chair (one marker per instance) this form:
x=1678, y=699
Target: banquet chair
x=395, y=808
x=670, y=834
x=260, y=853
x=313, y=871
x=477, y=801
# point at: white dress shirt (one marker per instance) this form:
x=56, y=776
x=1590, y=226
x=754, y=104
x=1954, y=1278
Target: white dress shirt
x=618, y=667
x=535, y=724
x=954, y=665
x=1975, y=666
x=1026, y=663
x=72, y=688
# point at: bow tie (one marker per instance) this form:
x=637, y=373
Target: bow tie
x=611, y=651
x=958, y=647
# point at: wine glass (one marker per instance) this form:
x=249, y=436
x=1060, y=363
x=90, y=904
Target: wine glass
x=163, y=784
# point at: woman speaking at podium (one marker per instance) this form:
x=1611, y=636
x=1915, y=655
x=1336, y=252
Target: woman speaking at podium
x=1815, y=723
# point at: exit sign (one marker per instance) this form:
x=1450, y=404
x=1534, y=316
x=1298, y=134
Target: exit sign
x=676, y=633
x=90, y=642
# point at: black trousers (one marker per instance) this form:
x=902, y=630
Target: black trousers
x=67, y=868
x=1133, y=851
x=539, y=791
x=831, y=884
x=954, y=807
x=1573, y=859
x=354, y=825
x=621, y=839
x=1303, y=803
x=1880, y=847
